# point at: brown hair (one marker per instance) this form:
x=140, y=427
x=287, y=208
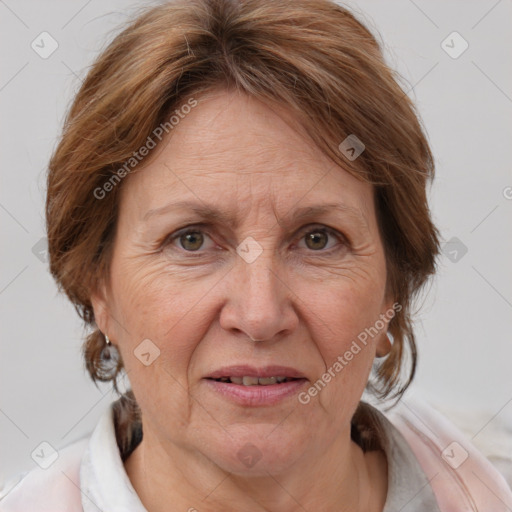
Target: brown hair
x=311, y=56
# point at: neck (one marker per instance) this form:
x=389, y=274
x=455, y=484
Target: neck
x=342, y=478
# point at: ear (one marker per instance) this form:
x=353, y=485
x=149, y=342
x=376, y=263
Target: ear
x=383, y=346
x=390, y=308
x=99, y=301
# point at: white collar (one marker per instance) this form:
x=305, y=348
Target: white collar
x=104, y=482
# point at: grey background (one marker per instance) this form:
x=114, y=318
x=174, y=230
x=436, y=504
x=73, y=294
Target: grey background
x=465, y=320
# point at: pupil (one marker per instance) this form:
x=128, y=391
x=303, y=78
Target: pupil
x=314, y=238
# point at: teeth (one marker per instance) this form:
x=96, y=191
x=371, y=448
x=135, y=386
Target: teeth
x=250, y=381
x=267, y=380
x=254, y=381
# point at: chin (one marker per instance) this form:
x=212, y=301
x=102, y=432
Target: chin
x=258, y=451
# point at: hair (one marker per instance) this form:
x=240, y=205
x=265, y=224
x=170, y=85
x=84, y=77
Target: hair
x=314, y=58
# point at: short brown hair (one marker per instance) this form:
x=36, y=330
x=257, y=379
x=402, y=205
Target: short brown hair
x=311, y=56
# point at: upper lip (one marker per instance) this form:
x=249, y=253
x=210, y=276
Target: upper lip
x=252, y=371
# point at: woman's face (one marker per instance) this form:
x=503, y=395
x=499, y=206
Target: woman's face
x=241, y=229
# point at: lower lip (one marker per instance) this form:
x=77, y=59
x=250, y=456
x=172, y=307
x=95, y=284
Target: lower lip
x=256, y=395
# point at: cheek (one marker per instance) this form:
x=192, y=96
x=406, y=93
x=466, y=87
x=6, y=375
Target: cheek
x=348, y=320
x=153, y=303
x=343, y=319
x=345, y=308
x=160, y=330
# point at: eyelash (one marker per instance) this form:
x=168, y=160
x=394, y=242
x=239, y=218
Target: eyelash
x=308, y=229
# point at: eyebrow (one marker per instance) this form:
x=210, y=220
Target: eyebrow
x=212, y=213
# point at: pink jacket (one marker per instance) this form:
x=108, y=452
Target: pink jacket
x=462, y=479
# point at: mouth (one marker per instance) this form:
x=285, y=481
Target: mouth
x=252, y=380
x=251, y=386
x=251, y=376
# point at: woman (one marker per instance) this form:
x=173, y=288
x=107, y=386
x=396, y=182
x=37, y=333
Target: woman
x=237, y=207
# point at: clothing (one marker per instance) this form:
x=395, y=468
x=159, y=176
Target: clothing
x=461, y=477
x=408, y=486
x=90, y=476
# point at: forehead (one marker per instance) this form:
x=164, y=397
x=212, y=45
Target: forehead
x=233, y=149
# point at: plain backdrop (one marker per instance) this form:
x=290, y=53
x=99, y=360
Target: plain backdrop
x=465, y=101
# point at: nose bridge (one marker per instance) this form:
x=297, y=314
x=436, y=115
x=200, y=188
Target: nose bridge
x=258, y=301
x=260, y=278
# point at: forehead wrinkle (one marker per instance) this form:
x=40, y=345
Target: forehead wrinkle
x=260, y=161
x=212, y=213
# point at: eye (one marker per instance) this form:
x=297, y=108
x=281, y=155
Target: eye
x=190, y=240
x=317, y=239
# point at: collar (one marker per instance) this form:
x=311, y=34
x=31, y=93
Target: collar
x=105, y=484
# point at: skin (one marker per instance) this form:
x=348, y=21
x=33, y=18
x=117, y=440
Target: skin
x=201, y=303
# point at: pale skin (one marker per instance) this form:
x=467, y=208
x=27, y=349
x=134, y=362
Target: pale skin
x=201, y=303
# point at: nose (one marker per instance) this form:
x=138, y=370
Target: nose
x=259, y=301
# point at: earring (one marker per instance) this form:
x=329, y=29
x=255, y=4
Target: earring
x=108, y=364
x=108, y=351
